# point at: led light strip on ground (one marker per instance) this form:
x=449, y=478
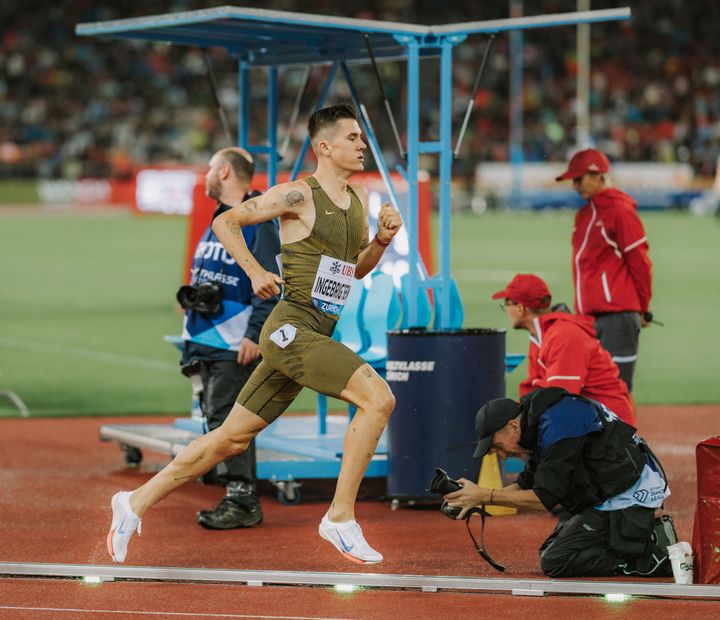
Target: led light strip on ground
x=426, y=583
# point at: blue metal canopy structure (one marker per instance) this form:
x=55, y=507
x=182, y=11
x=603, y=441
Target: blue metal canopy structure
x=261, y=37
x=271, y=39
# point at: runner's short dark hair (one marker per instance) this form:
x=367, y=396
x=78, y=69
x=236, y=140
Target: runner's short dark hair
x=325, y=117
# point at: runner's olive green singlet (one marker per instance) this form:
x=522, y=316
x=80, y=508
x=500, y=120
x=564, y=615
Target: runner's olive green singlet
x=337, y=234
x=296, y=343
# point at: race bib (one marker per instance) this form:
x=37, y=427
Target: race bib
x=284, y=336
x=333, y=281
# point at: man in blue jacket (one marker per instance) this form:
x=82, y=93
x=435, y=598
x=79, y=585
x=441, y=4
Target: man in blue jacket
x=585, y=460
x=223, y=343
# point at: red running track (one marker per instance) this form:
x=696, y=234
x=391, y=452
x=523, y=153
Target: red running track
x=57, y=478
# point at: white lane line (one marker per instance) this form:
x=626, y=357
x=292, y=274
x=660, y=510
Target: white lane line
x=167, y=613
x=98, y=356
x=667, y=448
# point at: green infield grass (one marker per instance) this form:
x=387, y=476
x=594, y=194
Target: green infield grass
x=87, y=299
x=18, y=192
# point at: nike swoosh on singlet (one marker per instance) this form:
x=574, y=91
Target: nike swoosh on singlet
x=329, y=212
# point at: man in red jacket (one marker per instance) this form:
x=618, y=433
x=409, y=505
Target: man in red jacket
x=612, y=272
x=564, y=350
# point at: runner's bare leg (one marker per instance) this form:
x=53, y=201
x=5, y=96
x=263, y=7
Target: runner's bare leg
x=199, y=457
x=375, y=402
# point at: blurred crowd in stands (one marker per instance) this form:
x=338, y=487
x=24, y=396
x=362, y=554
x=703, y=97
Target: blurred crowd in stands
x=92, y=107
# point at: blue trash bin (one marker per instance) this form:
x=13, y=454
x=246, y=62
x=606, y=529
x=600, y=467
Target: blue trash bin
x=440, y=379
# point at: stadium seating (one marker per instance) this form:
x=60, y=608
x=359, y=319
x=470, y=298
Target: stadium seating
x=640, y=109
x=381, y=312
x=457, y=314
x=423, y=305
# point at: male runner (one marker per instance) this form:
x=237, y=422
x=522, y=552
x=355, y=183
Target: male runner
x=324, y=245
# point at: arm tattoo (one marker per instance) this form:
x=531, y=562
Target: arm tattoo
x=294, y=197
x=234, y=228
x=250, y=206
x=368, y=373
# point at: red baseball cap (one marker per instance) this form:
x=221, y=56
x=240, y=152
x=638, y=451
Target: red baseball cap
x=589, y=160
x=526, y=289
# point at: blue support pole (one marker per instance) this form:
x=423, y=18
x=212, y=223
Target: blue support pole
x=272, y=123
x=446, y=158
x=244, y=111
x=516, y=107
x=322, y=414
x=413, y=140
x=323, y=98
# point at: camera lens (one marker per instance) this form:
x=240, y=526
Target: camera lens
x=187, y=297
x=205, y=298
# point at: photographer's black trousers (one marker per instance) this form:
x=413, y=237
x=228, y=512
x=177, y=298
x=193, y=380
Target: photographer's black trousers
x=596, y=543
x=222, y=381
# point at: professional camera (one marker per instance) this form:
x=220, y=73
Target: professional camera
x=442, y=484
x=205, y=297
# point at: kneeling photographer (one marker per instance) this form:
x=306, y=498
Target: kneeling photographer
x=589, y=465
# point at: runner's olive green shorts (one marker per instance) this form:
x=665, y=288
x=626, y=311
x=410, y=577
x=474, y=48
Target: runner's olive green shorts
x=297, y=351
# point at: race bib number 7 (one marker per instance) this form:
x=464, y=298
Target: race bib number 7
x=333, y=282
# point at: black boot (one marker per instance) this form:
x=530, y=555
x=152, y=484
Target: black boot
x=239, y=508
x=655, y=563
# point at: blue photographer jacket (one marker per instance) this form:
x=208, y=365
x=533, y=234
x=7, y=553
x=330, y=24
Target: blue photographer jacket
x=218, y=336
x=579, y=450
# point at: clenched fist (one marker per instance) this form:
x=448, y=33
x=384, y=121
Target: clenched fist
x=266, y=284
x=389, y=222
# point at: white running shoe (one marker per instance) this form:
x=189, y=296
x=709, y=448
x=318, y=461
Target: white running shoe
x=349, y=540
x=124, y=524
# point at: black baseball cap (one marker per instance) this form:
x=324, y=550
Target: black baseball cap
x=491, y=417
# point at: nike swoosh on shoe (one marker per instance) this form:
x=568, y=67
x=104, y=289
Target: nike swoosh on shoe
x=346, y=547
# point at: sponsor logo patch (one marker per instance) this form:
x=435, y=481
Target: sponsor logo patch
x=641, y=495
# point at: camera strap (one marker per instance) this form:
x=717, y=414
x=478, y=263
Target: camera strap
x=481, y=547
